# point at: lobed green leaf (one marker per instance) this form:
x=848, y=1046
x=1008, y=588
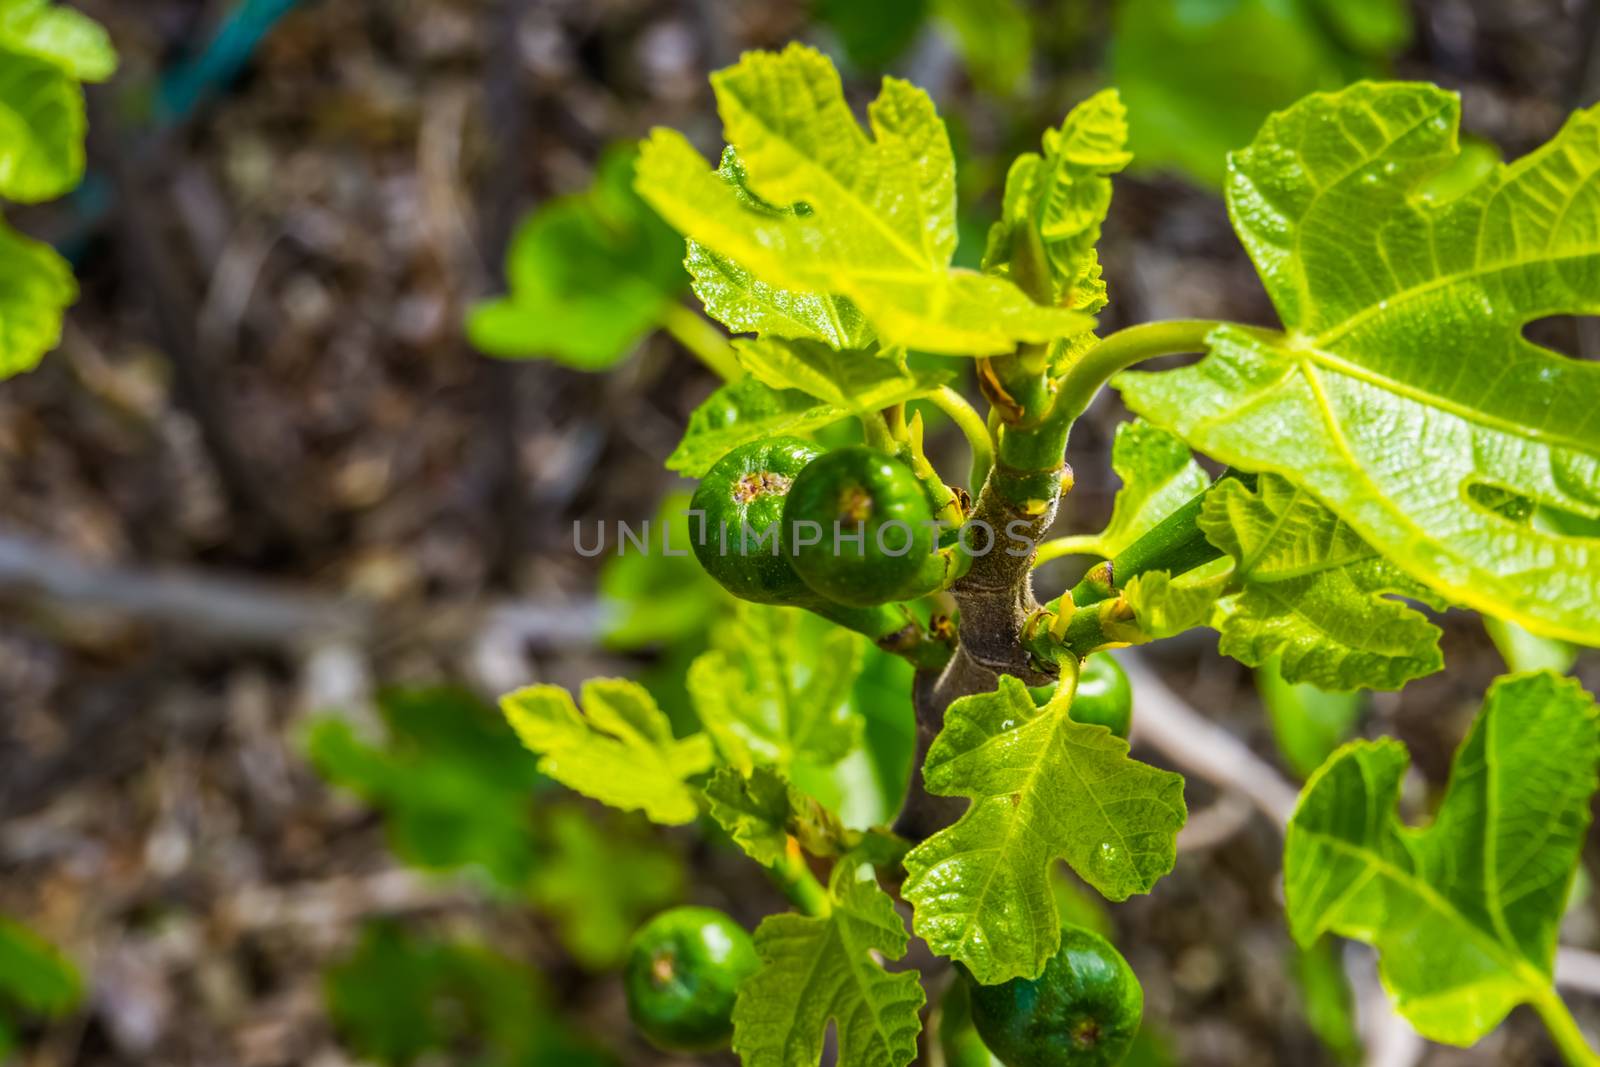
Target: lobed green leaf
x=743, y=411
x=868, y=219
x=67, y=39
x=1313, y=594
x=852, y=382
x=1063, y=196
x=820, y=968
x=761, y=811
x=619, y=750
x=1043, y=788
x=1403, y=395
x=42, y=126
x=1465, y=912
x=591, y=274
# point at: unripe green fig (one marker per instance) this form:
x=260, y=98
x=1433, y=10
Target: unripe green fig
x=682, y=974
x=737, y=526
x=1083, y=1010
x=1104, y=697
x=874, y=536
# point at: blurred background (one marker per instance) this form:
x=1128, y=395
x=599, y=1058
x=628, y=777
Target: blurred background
x=274, y=532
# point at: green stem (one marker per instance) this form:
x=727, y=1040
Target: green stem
x=1067, y=686
x=1564, y=1031
x=1061, y=547
x=1082, y=631
x=876, y=429
x=1120, y=351
x=1176, y=544
x=694, y=332
x=798, y=883
x=892, y=628
x=972, y=426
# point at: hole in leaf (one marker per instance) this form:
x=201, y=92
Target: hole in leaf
x=1515, y=507
x=1575, y=336
x=1501, y=501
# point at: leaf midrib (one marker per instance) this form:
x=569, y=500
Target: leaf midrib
x=856, y=962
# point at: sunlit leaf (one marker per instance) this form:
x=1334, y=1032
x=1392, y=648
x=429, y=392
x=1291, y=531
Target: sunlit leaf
x=1403, y=394
x=67, y=39
x=36, y=285
x=761, y=812
x=1062, y=195
x=1043, y=788
x=1312, y=594
x=42, y=126
x=619, y=750
x=744, y=303
x=817, y=969
x=878, y=221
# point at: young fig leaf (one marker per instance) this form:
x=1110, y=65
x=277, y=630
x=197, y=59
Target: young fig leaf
x=1043, y=788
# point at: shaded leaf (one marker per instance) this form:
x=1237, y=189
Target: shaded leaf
x=852, y=382
x=1464, y=913
x=1307, y=723
x=34, y=974
x=599, y=878
x=743, y=411
x=1158, y=476
x=400, y=997
x=1199, y=78
x=660, y=597
x=591, y=274
x=995, y=38
x=768, y=698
